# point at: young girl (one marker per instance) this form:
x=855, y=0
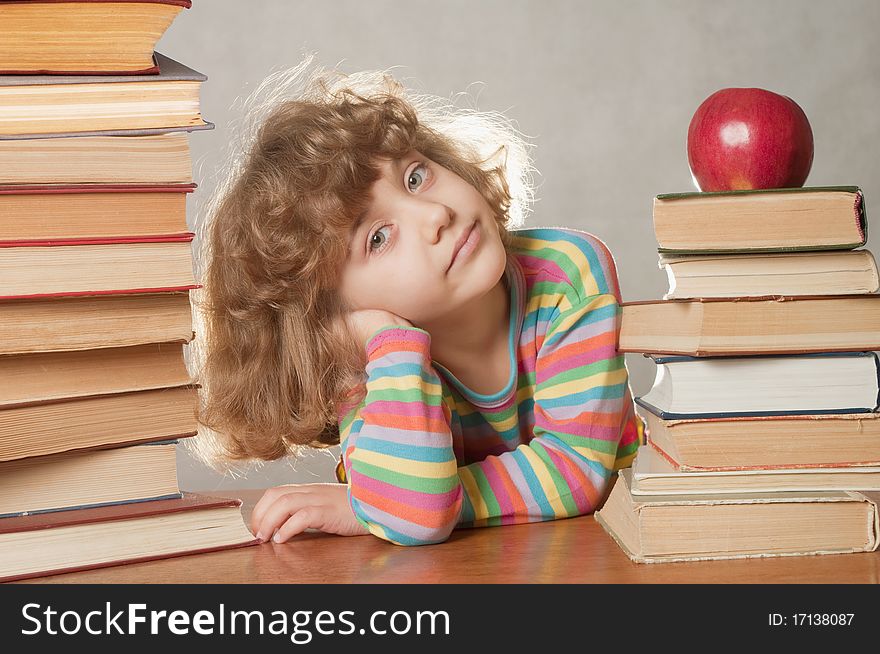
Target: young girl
x=364, y=286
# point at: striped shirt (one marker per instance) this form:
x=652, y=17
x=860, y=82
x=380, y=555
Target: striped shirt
x=423, y=454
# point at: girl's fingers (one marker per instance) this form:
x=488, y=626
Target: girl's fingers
x=280, y=510
x=310, y=516
x=260, y=508
x=267, y=500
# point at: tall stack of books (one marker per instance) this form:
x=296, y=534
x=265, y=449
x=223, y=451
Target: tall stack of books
x=95, y=273
x=763, y=430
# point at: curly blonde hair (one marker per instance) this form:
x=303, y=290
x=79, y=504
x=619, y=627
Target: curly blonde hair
x=275, y=367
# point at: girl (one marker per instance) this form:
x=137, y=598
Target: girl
x=364, y=285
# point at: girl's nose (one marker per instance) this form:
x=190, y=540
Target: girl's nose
x=435, y=217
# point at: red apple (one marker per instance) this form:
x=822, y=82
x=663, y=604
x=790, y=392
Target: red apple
x=749, y=139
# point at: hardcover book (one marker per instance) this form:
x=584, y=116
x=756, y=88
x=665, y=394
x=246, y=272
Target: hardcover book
x=83, y=37
x=161, y=159
x=754, y=275
x=767, y=442
x=43, y=215
x=27, y=379
x=688, y=387
x=90, y=322
x=751, y=325
x=101, y=421
x=666, y=528
x=765, y=220
x=165, y=264
x=48, y=105
x=68, y=541
x=77, y=480
x=654, y=474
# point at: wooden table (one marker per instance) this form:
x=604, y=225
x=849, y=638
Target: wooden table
x=576, y=550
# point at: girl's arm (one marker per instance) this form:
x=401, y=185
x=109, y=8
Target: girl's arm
x=404, y=483
x=397, y=444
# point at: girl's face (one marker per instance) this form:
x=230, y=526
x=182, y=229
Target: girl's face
x=406, y=254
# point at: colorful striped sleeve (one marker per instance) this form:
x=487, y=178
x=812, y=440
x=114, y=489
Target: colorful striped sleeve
x=584, y=426
x=397, y=444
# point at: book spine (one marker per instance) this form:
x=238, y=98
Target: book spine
x=757, y=191
x=745, y=414
x=79, y=398
x=184, y=237
x=748, y=299
x=727, y=354
x=94, y=505
x=861, y=216
x=683, y=467
x=186, y=4
x=42, y=189
x=877, y=369
x=779, y=249
x=152, y=70
x=128, y=291
x=102, y=446
x=107, y=132
x=660, y=360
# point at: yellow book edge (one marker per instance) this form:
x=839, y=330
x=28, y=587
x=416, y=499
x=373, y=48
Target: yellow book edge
x=623, y=480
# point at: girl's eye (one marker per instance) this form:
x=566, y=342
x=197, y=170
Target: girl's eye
x=416, y=177
x=378, y=239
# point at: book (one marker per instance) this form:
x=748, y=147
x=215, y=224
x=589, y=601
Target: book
x=162, y=159
x=120, y=131
x=852, y=272
x=139, y=267
x=91, y=322
x=80, y=480
x=654, y=474
x=666, y=528
x=775, y=220
x=97, y=422
x=751, y=325
x=688, y=387
x=83, y=36
x=767, y=442
x=32, y=105
x=27, y=379
x=67, y=541
x=43, y=215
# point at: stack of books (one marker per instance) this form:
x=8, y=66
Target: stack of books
x=95, y=274
x=763, y=430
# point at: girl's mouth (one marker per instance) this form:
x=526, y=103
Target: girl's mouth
x=471, y=240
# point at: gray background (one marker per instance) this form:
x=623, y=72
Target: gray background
x=604, y=90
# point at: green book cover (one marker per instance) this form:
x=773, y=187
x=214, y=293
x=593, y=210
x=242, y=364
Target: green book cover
x=798, y=189
x=855, y=190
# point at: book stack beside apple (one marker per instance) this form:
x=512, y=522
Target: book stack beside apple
x=763, y=430
x=95, y=274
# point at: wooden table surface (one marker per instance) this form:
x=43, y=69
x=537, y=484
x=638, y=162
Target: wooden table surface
x=576, y=550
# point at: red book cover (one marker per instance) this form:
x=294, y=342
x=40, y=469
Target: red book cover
x=130, y=511
x=67, y=214
x=98, y=240
x=93, y=266
x=127, y=291
x=38, y=189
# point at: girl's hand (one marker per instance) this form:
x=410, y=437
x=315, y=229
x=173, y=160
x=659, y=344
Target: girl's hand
x=366, y=322
x=286, y=511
